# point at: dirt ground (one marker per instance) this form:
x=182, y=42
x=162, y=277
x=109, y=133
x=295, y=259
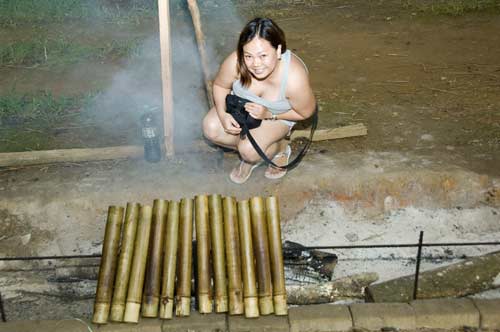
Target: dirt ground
x=426, y=86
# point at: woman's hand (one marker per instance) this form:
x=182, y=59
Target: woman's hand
x=230, y=125
x=258, y=111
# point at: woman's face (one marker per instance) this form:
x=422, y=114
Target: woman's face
x=261, y=57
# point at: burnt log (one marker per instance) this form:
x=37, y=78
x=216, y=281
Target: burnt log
x=351, y=287
x=306, y=265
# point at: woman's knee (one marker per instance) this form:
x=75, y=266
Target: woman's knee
x=212, y=127
x=247, y=151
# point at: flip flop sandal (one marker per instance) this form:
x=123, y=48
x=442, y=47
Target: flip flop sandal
x=274, y=173
x=239, y=180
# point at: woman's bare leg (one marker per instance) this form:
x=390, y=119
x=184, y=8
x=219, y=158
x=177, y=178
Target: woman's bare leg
x=268, y=136
x=214, y=132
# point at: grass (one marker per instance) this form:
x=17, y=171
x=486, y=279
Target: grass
x=452, y=7
x=43, y=121
x=41, y=107
x=18, y=12
x=41, y=51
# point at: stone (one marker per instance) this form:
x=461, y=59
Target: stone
x=269, y=323
x=320, y=318
x=144, y=325
x=373, y=316
x=73, y=325
x=196, y=322
x=445, y=313
x=489, y=312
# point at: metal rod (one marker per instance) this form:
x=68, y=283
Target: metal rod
x=409, y=245
x=2, y=312
x=368, y=246
x=417, y=271
x=40, y=258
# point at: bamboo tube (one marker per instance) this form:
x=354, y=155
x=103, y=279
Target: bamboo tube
x=233, y=258
x=152, y=285
x=275, y=249
x=169, y=261
x=108, y=265
x=137, y=272
x=204, y=291
x=250, y=294
x=261, y=250
x=124, y=262
x=218, y=252
x=183, y=295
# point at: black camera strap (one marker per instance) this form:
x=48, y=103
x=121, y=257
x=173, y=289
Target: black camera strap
x=301, y=154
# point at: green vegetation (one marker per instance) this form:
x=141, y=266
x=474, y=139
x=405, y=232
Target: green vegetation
x=39, y=51
x=453, y=7
x=42, y=107
x=18, y=12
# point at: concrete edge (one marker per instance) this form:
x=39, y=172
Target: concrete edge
x=438, y=311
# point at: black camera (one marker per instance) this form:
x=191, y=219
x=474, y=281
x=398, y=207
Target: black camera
x=236, y=107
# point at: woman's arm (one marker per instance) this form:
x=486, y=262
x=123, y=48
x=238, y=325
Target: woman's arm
x=222, y=87
x=299, y=93
x=223, y=83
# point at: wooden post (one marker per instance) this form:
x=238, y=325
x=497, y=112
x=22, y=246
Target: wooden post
x=200, y=40
x=166, y=75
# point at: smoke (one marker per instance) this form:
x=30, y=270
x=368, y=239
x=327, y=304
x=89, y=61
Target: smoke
x=138, y=88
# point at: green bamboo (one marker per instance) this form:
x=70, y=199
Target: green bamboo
x=169, y=261
x=152, y=286
x=275, y=249
x=233, y=258
x=107, y=268
x=204, y=291
x=261, y=250
x=250, y=294
x=185, y=259
x=137, y=272
x=218, y=252
x=124, y=262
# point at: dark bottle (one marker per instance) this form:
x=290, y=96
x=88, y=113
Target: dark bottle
x=152, y=148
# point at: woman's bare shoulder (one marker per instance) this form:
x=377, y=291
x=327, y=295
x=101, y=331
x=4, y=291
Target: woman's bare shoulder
x=298, y=75
x=230, y=62
x=228, y=71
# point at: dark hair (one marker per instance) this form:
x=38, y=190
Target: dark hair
x=263, y=28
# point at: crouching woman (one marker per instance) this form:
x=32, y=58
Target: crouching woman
x=275, y=81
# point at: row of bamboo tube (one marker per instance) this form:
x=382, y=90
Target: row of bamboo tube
x=147, y=266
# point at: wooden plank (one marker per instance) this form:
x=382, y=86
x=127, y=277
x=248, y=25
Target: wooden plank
x=10, y=159
x=332, y=133
x=69, y=155
x=200, y=40
x=166, y=75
